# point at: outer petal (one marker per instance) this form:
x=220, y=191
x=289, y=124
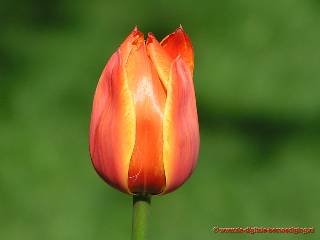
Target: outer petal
x=112, y=129
x=180, y=127
x=179, y=44
x=146, y=171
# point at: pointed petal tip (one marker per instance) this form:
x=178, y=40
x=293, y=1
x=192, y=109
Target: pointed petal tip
x=180, y=28
x=136, y=32
x=181, y=31
x=135, y=38
x=150, y=38
x=178, y=43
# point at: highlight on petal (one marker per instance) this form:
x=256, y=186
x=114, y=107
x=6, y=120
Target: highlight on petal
x=146, y=171
x=180, y=127
x=178, y=44
x=160, y=58
x=112, y=128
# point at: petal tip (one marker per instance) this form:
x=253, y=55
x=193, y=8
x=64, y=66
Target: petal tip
x=135, y=33
x=150, y=38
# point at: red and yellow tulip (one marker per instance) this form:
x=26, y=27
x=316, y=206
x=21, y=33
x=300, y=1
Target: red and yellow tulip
x=144, y=133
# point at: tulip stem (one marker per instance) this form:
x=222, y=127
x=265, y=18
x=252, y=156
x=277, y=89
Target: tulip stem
x=140, y=216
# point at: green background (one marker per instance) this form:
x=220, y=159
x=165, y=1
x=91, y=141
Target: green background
x=257, y=79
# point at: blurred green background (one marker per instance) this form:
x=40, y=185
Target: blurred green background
x=257, y=79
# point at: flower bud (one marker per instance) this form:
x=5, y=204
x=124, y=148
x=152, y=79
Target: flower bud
x=144, y=133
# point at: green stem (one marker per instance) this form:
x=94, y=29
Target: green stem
x=140, y=215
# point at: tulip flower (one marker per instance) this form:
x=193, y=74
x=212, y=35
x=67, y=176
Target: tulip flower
x=144, y=134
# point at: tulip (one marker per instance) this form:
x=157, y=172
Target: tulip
x=144, y=133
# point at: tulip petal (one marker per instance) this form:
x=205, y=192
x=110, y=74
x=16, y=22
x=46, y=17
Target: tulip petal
x=160, y=58
x=112, y=130
x=180, y=127
x=179, y=44
x=146, y=171
x=135, y=38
